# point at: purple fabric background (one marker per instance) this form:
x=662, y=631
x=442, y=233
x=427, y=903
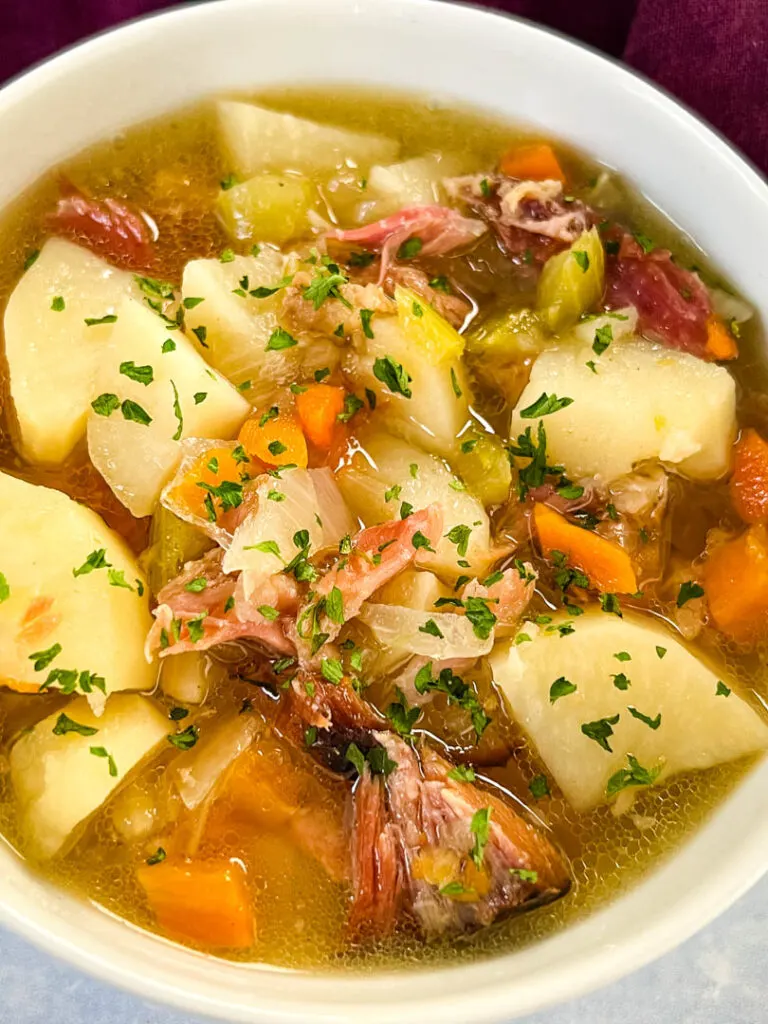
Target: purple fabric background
x=713, y=54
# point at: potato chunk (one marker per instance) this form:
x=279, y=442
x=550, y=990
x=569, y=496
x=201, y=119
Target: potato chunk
x=71, y=582
x=57, y=779
x=643, y=402
x=699, y=724
x=257, y=139
x=183, y=398
x=52, y=353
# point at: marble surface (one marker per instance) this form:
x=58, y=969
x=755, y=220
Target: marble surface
x=717, y=977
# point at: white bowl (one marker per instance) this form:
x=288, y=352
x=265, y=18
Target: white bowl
x=517, y=70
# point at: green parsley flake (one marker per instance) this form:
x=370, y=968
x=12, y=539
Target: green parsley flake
x=393, y=375
x=91, y=321
x=141, y=374
x=600, y=731
x=65, y=724
x=366, y=315
x=105, y=404
x=135, y=413
x=633, y=775
x=410, y=248
x=652, y=723
x=560, y=688
x=545, y=405
x=280, y=339
x=689, y=591
x=57, y=304
x=582, y=258
x=603, y=338
x=177, y=413
x=480, y=829
x=722, y=690
x=103, y=752
x=186, y=739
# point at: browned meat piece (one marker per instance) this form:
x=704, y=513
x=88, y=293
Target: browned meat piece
x=450, y=853
x=531, y=219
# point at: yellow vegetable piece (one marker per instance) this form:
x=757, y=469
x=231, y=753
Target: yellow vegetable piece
x=423, y=326
x=485, y=469
x=516, y=334
x=269, y=207
x=571, y=282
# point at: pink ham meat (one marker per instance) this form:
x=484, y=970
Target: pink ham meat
x=109, y=228
x=530, y=219
x=508, y=597
x=378, y=553
x=439, y=229
x=219, y=612
x=672, y=303
x=413, y=846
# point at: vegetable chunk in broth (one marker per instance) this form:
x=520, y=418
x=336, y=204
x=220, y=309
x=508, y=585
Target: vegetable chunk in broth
x=384, y=577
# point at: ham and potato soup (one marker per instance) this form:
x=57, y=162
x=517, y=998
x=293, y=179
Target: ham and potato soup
x=384, y=562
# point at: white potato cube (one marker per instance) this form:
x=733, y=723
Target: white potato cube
x=643, y=402
x=97, y=617
x=52, y=354
x=58, y=781
x=257, y=139
x=185, y=398
x=699, y=727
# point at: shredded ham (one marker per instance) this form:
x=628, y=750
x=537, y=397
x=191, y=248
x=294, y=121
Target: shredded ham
x=508, y=597
x=412, y=837
x=107, y=227
x=672, y=303
x=526, y=216
x=298, y=314
x=439, y=229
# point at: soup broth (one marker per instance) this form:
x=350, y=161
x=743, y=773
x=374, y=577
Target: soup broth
x=279, y=811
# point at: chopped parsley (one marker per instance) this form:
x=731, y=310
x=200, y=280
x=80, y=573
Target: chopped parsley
x=441, y=284
x=462, y=773
x=93, y=321
x=603, y=338
x=480, y=829
x=366, y=316
x=539, y=787
x=610, y=604
x=480, y=615
x=689, y=591
x=325, y=285
x=199, y=397
x=42, y=659
x=410, y=248
x=660, y=652
x=177, y=413
x=545, y=405
x=65, y=724
x=459, y=535
x=105, y=404
x=157, y=857
x=420, y=541
x=96, y=560
x=455, y=384
x=334, y=606
x=186, y=739
x=280, y=339
x=431, y=628
x=633, y=775
x=600, y=731
x=561, y=688
x=103, y=752
x=393, y=375
x=58, y=304
x=5, y=590
x=402, y=717
x=191, y=302
x=135, y=413
x=352, y=404
x=582, y=258
x=169, y=345
x=141, y=374
x=722, y=690
x=652, y=723
x=197, y=585
x=620, y=681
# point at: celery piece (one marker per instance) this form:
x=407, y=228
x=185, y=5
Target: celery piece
x=514, y=335
x=571, y=282
x=424, y=327
x=267, y=208
x=484, y=468
x=172, y=542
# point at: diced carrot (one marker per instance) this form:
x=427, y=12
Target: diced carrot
x=318, y=408
x=212, y=467
x=749, y=482
x=721, y=344
x=536, y=163
x=277, y=440
x=206, y=902
x=735, y=580
x=607, y=565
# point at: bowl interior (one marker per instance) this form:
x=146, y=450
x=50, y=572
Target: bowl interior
x=508, y=67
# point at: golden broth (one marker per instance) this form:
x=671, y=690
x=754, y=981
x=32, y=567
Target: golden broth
x=172, y=168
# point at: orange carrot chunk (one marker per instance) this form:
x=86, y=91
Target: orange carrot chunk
x=277, y=440
x=536, y=163
x=736, y=584
x=749, y=482
x=205, y=902
x=607, y=565
x=318, y=408
x=212, y=467
x=721, y=344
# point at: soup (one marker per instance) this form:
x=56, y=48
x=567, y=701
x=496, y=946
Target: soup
x=384, y=565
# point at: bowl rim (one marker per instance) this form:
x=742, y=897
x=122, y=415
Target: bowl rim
x=654, y=939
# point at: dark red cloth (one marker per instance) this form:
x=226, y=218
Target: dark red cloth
x=713, y=54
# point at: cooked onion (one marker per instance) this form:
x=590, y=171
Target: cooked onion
x=398, y=628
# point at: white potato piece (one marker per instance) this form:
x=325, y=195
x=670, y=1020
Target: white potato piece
x=59, y=783
x=699, y=727
x=53, y=356
x=434, y=416
x=136, y=459
x=644, y=402
x=365, y=481
x=414, y=182
x=257, y=139
x=100, y=626
x=400, y=631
